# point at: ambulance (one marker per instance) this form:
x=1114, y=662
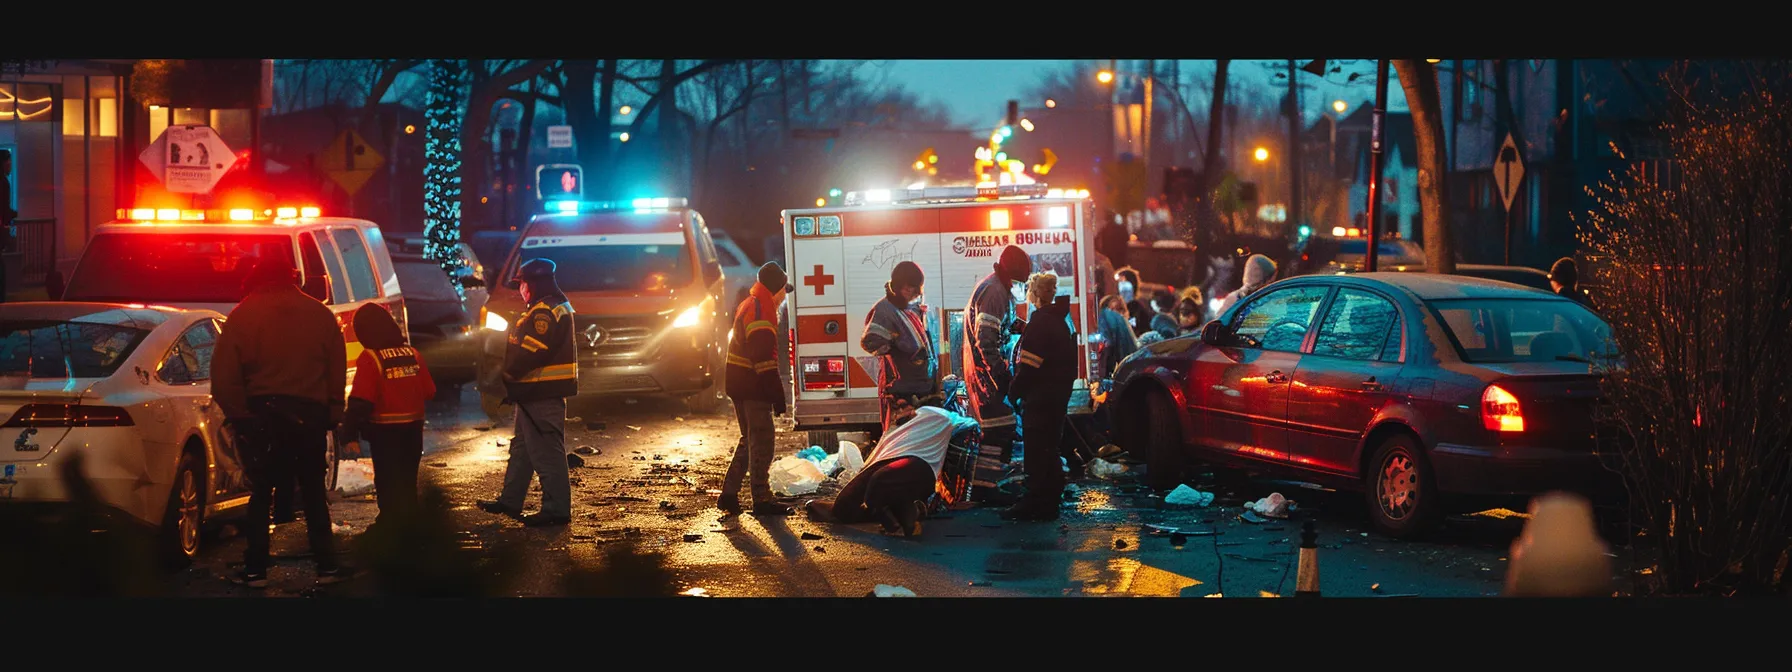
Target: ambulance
x=841, y=257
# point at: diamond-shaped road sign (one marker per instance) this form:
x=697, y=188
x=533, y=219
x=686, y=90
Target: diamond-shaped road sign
x=188, y=159
x=1508, y=171
x=349, y=161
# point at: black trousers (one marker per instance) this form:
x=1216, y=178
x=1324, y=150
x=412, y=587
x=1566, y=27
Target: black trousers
x=284, y=442
x=891, y=483
x=1043, y=425
x=397, y=453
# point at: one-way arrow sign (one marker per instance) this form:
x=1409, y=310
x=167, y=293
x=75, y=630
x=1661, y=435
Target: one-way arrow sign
x=1508, y=171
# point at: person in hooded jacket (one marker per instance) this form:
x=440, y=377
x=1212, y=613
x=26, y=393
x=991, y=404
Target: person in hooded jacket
x=989, y=321
x=1258, y=272
x=391, y=385
x=1564, y=278
x=896, y=334
x=1042, y=386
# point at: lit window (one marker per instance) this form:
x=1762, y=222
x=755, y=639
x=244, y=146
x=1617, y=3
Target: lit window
x=74, y=117
x=106, y=117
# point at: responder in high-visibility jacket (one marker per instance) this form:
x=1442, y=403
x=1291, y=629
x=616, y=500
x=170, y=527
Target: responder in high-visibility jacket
x=392, y=383
x=989, y=322
x=896, y=333
x=754, y=385
x=1042, y=386
x=541, y=370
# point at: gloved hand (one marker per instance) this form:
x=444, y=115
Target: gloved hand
x=1018, y=326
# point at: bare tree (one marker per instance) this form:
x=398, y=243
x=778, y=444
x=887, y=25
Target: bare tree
x=1419, y=80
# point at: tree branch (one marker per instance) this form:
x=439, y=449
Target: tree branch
x=391, y=70
x=677, y=80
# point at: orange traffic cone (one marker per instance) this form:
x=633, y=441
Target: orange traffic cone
x=1306, y=580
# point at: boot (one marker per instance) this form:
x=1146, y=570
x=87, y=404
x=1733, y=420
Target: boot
x=729, y=504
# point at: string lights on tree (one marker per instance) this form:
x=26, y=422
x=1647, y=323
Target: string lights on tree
x=443, y=113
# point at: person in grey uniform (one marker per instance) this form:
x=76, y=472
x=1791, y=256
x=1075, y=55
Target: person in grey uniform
x=896, y=333
x=989, y=323
x=541, y=370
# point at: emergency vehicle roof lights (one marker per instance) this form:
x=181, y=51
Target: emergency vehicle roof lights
x=945, y=194
x=219, y=216
x=637, y=205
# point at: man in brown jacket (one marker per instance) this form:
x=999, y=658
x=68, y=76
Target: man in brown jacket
x=280, y=374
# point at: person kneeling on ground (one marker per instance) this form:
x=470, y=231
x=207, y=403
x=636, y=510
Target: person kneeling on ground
x=899, y=476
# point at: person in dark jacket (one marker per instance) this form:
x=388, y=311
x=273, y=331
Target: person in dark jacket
x=541, y=370
x=896, y=333
x=1117, y=341
x=1164, y=322
x=758, y=393
x=279, y=374
x=1564, y=278
x=989, y=322
x=1042, y=386
x=392, y=383
x=1138, y=317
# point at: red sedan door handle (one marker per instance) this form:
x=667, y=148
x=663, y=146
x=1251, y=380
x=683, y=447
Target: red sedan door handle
x=1276, y=378
x=1371, y=386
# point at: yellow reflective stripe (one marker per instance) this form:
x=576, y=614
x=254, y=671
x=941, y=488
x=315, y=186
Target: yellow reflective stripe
x=763, y=367
x=1031, y=359
x=551, y=372
x=761, y=324
x=562, y=310
x=738, y=360
x=396, y=418
x=532, y=345
x=540, y=305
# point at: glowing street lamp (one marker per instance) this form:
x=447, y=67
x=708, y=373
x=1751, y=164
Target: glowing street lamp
x=626, y=110
x=821, y=202
x=1051, y=103
x=1262, y=154
x=1339, y=106
x=1104, y=77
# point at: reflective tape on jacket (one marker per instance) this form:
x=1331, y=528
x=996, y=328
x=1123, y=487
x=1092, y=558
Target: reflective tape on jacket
x=396, y=418
x=550, y=372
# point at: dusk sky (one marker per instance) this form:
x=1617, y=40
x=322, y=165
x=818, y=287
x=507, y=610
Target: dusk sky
x=973, y=90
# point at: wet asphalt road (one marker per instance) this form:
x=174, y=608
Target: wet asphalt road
x=653, y=480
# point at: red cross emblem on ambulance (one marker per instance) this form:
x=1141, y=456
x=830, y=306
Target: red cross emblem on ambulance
x=820, y=280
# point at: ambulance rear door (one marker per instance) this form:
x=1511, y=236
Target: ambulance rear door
x=817, y=309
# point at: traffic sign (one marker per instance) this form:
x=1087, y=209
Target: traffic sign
x=188, y=159
x=350, y=161
x=559, y=137
x=1508, y=171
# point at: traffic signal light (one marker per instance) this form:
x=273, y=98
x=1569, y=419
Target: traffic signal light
x=1013, y=113
x=560, y=181
x=834, y=193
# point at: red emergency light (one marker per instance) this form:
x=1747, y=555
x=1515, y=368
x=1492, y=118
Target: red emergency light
x=216, y=215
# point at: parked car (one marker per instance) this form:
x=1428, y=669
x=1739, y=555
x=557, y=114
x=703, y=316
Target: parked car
x=737, y=268
x=1517, y=275
x=127, y=389
x=443, y=326
x=472, y=271
x=1408, y=387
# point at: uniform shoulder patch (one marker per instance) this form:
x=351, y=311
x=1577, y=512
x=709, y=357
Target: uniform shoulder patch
x=543, y=323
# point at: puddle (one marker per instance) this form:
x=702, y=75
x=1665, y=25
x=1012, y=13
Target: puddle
x=1126, y=576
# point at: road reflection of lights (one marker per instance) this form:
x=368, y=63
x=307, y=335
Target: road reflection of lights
x=1126, y=576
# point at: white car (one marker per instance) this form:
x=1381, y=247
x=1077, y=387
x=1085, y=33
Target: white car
x=737, y=269
x=127, y=387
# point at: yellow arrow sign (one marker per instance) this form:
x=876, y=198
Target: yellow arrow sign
x=1050, y=160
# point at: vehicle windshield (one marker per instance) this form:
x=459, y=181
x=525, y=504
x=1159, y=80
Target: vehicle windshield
x=171, y=268
x=622, y=266
x=1492, y=331
x=424, y=280
x=59, y=349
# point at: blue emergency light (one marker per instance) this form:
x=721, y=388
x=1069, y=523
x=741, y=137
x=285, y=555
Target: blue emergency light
x=568, y=207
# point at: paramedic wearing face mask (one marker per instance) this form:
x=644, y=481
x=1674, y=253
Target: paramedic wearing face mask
x=1138, y=317
x=989, y=321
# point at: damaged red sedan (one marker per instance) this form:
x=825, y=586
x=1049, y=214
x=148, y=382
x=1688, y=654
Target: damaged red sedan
x=1429, y=393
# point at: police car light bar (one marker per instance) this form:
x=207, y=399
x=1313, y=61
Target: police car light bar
x=638, y=204
x=946, y=194
x=170, y=215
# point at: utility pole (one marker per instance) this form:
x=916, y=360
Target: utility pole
x=1145, y=120
x=1377, y=129
x=1294, y=128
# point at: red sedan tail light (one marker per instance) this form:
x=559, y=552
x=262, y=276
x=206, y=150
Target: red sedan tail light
x=69, y=415
x=1499, y=410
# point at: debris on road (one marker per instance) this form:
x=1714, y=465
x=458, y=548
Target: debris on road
x=819, y=549
x=587, y=450
x=1252, y=518
x=1109, y=452
x=633, y=428
x=1273, y=506
x=1187, y=496
x=794, y=476
x=666, y=504
x=1120, y=544
x=1100, y=468
x=883, y=590
x=438, y=464
x=573, y=461
x=811, y=536
x=694, y=536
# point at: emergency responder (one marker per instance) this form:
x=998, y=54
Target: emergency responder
x=989, y=321
x=392, y=382
x=541, y=370
x=758, y=392
x=1042, y=385
x=279, y=374
x=896, y=333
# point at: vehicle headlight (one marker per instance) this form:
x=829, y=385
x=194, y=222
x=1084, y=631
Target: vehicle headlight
x=495, y=322
x=687, y=318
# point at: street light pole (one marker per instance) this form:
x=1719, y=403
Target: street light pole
x=1376, y=131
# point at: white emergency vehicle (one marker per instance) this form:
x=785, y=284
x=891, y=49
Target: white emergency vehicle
x=841, y=257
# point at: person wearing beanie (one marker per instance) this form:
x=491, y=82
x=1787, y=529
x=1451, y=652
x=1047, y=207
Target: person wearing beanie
x=989, y=323
x=896, y=334
x=541, y=369
x=1564, y=277
x=1042, y=386
x=758, y=392
x=392, y=384
x=1258, y=271
x=280, y=375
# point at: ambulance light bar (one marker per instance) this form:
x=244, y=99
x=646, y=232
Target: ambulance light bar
x=171, y=215
x=638, y=205
x=942, y=194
